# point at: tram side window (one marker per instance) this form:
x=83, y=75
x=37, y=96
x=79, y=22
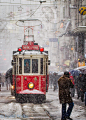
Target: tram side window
x=34, y=65
x=20, y=65
x=41, y=65
x=17, y=65
x=26, y=65
x=14, y=66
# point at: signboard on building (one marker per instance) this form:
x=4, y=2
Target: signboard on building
x=53, y=39
x=81, y=64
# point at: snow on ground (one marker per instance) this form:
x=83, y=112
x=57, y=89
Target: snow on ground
x=31, y=110
x=79, y=110
x=1, y=118
x=11, y=110
x=14, y=110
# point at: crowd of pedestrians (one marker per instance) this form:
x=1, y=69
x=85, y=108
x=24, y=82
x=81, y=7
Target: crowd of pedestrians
x=2, y=80
x=67, y=84
x=8, y=78
x=80, y=85
x=78, y=79
x=53, y=80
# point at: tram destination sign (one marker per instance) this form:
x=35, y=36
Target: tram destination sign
x=30, y=46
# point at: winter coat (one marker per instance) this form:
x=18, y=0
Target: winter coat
x=71, y=77
x=83, y=84
x=65, y=84
x=80, y=82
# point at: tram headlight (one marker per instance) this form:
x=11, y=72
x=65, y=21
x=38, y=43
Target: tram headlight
x=31, y=85
x=12, y=87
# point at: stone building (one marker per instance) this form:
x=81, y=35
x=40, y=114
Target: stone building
x=72, y=42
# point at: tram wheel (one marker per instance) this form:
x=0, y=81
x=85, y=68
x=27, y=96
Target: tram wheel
x=41, y=99
x=21, y=99
x=32, y=98
x=44, y=99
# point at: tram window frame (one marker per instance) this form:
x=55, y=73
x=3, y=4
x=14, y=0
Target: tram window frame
x=44, y=66
x=26, y=59
x=14, y=66
x=31, y=65
x=20, y=65
x=41, y=65
x=35, y=65
x=47, y=64
x=17, y=66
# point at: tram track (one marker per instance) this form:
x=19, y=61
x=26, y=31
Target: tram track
x=38, y=111
x=50, y=110
x=35, y=112
x=30, y=111
x=48, y=113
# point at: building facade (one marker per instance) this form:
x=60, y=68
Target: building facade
x=73, y=41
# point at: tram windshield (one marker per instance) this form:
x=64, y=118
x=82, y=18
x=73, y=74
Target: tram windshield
x=28, y=68
x=28, y=65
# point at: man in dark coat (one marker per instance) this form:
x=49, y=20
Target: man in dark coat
x=79, y=85
x=65, y=84
x=83, y=87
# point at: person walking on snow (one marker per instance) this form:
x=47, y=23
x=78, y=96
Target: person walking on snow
x=72, y=90
x=65, y=84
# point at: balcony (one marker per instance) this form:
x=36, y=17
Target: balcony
x=79, y=29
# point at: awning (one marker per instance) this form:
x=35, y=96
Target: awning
x=79, y=29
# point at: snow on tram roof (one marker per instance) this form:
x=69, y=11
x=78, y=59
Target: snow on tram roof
x=30, y=52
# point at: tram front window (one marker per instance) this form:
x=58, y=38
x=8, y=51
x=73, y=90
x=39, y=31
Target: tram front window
x=34, y=65
x=26, y=65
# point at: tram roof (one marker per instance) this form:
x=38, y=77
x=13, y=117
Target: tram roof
x=30, y=53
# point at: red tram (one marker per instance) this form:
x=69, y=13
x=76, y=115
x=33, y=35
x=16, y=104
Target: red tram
x=30, y=73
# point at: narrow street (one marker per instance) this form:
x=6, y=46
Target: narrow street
x=40, y=40
x=50, y=110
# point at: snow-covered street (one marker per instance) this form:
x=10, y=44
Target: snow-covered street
x=50, y=110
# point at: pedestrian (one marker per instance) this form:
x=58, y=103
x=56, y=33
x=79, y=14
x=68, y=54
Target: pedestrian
x=0, y=81
x=83, y=87
x=79, y=85
x=65, y=84
x=8, y=77
x=50, y=80
x=55, y=81
x=72, y=90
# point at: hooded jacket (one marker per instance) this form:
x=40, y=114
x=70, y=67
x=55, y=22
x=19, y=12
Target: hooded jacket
x=65, y=84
